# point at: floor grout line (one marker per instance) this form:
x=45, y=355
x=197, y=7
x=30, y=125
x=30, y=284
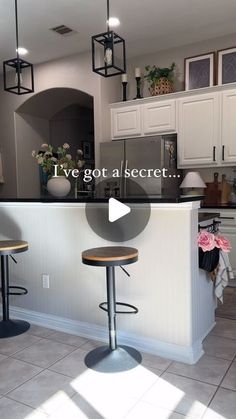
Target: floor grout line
x=220, y=357
x=24, y=347
x=193, y=379
x=217, y=387
x=25, y=404
x=226, y=373
x=24, y=382
x=48, y=366
x=141, y=397
x=221, y=336
x=8, y=394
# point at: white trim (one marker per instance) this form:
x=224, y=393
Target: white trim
x=219, y=64
x=199, y=58
x=208, y=331
x=186, y=354
x=43, y=204
x=175, y=95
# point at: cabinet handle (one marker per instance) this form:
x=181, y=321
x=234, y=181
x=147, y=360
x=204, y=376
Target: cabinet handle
x=214, y=153
x=121, y=177
x=125, y=180
x=226, y=218
x=223, y=152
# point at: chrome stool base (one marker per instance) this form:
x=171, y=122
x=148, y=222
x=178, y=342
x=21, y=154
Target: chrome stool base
x=10, y=328
x=103, y=359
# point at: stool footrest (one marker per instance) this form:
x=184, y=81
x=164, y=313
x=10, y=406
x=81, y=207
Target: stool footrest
x=133, y=310
x=22, y=289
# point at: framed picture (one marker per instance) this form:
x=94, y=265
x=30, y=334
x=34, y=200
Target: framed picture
x=87, y=150
x=199, y=71
x=226, y=66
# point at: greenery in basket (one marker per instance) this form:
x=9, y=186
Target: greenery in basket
x=48, y=157
x=154, y=74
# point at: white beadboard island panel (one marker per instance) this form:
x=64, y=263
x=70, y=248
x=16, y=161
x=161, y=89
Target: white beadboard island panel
x=165, y=283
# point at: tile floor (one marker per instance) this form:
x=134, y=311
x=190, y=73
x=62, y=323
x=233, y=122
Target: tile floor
x=43, y=376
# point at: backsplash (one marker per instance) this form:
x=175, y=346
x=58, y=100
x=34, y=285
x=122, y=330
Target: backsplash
x=222, y=192
x=207, y=174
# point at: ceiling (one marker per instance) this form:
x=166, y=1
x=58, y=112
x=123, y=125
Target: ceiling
x=147, y=25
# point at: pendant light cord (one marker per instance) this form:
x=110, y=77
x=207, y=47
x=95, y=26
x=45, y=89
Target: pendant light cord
x=17, y=34
x=108, y=15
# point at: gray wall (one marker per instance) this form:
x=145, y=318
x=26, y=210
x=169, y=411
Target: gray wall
x=30, y=133
x=166, y=57
x=70, y=72
x=73, y=125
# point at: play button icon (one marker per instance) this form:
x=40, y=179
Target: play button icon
x=115, y=218
x=117, y=210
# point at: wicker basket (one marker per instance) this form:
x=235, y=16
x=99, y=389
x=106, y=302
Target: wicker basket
x=162, y=87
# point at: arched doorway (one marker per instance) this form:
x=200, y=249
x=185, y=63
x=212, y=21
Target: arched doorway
x=53, y=116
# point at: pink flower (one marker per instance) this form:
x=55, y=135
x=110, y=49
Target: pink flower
x=223, y=243
x=206, y=241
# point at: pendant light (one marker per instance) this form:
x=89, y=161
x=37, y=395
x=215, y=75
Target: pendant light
x=21, y=81
x=108, y=52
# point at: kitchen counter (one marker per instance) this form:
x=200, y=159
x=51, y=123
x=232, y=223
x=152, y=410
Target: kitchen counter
x=175, y=299
x=223, y=206
x=83, y=199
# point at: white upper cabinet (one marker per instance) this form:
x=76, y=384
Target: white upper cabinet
x=228, y=138
x=205, y=122
x=126, y=122
x=198, y=130
x=159, y=117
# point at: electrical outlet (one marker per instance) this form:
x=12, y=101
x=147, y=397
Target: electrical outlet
x=45, y=279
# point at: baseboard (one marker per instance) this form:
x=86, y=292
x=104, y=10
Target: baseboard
x=208, y=331
x=186, y=354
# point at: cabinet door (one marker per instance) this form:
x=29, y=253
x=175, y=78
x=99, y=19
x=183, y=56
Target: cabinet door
x=228, y=151
x=159, y=117
x=126, y=122
x=198, y=130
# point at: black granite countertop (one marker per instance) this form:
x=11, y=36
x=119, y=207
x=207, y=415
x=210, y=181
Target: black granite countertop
x=138, y=200
x=222, y=206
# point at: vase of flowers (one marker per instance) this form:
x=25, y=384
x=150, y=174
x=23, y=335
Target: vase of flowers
x=58, y=186
x=160, y=79
x=209, y=249
x=49, y=158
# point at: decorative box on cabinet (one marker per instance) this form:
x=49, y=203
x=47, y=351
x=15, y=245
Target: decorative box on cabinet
x=198, y=130
x=159, y=117
x=126, y=122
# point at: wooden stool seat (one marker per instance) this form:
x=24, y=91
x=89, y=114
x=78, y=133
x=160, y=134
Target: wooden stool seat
x=8, y=247
x=110, y=256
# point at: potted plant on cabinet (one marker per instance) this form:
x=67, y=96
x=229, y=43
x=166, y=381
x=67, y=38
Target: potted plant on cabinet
x=160, y=79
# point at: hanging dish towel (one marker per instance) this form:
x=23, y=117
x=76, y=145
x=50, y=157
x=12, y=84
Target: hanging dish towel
x=223, y=275
x=1, y=172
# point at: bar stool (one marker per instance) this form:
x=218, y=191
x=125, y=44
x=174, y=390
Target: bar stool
x=8, y=327
x=112, y=358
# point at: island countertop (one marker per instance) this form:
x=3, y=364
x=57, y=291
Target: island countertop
x=139, y=200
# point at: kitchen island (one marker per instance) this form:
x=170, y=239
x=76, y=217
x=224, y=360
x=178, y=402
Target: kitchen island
x=175, y=299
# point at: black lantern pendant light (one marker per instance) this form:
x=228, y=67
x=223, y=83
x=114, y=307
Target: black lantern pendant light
x=108, y=52
x=14, y=82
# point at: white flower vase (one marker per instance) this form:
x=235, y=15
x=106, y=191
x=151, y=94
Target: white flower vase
x=58, y=186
